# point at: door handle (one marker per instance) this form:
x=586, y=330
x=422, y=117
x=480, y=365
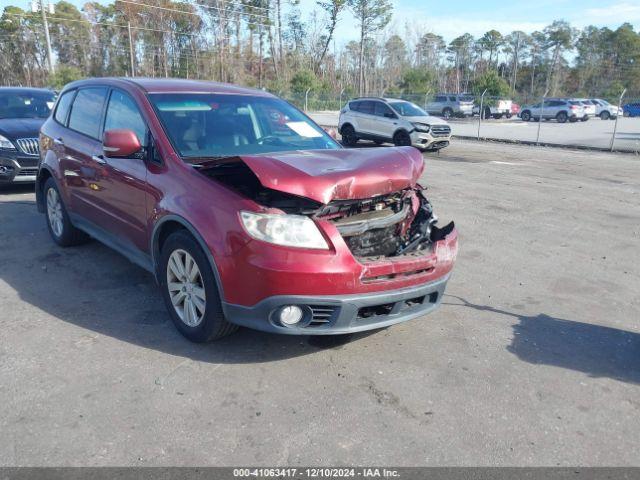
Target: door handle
x=99, y=159
x=58, y=141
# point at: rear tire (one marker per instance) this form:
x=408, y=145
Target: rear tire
x=604, y=115
x=401, y=139
x=190, y=291
x=349, y=137
x=562, y=117
x=58, y=223
x=584, y=119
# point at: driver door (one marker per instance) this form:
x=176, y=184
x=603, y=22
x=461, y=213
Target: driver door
x=121, y=187
x=385, y=122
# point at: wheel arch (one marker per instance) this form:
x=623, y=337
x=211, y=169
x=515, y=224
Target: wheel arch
x=44, y=174
x=399, y=130
x=345, y=124
x=170, y=224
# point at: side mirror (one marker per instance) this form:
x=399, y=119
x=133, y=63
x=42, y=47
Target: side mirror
x=390, y=115
x=120, y=143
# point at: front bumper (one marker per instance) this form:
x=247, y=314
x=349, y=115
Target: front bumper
x=341, y=314
x=16, y=167
x=426, y=141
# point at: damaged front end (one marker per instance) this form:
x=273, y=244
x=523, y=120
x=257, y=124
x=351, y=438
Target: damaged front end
x=391, y=225
x=398, y=224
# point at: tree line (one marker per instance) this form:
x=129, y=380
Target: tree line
x=269, y=44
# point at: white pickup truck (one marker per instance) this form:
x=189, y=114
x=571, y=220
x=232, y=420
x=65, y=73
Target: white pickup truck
x=494, y=108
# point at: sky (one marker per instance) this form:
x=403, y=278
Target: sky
x=452, y=18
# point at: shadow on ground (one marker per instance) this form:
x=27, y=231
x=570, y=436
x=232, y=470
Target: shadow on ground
x=592, y=349
x=95, y=288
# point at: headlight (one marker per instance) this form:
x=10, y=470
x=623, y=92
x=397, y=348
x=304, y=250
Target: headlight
x=5, y=143
x=422, y=127
x=288, y=230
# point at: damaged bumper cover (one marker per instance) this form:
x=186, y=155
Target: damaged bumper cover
x=342, y=297
x=340, y=314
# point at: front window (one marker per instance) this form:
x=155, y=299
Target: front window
x=26, y=105
x=214, y=125
x=408, y=109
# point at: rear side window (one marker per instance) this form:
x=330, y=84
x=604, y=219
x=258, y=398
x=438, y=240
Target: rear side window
x=452, y=99
x=86, y=111
x=441, y=99
x=64, y=104
x=366, y=107
x=123, y=112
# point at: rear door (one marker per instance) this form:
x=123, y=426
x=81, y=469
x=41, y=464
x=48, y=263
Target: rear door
x=367, y=118
x=82, y=146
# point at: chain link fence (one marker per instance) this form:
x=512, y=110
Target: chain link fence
x=614, y=125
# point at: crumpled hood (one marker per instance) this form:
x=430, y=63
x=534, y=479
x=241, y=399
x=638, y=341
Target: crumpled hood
x=342, y=174
x=20, y=127
x=428, y=119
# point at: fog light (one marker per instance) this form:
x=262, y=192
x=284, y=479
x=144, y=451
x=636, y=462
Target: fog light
x=290, y=315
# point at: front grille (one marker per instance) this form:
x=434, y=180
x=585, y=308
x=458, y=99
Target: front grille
x=440, y=130
x=27, y=172
x=29, y=145
x=321, y=314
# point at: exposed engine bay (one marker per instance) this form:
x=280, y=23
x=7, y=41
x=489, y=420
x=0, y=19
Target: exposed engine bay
x=400, y=223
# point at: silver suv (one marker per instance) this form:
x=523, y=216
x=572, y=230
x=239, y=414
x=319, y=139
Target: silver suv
x=451, y=104
x=392, y=120
x=558, y=108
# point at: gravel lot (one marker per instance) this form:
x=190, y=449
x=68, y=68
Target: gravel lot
x=534, y=358
x=593, y=133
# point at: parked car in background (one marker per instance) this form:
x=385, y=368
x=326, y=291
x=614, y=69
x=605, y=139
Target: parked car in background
x=22, y=112
x=394, y=121
x=559, y=109
x=631, y=109
x=515, y=109
x=243, y=208
x=451, y=104
x=589, y=109
x=604, y=109
x=494, y=108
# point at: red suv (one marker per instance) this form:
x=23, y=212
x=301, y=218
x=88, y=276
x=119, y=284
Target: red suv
x=246, y=211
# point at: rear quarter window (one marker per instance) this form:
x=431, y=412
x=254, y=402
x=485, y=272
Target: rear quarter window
x=64, y=104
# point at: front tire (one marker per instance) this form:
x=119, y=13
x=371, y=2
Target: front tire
x=447, y=113
x=525, y=116
x=562, y=117
x=190, y=290
x=604, y=115
x=58, y=223
x=401, y=139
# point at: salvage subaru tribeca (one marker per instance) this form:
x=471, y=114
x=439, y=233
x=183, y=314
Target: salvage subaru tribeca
x=246, y=212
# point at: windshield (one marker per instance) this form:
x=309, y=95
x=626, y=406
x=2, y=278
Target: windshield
x=26, y=104
x=408, y=109
x=214, y=125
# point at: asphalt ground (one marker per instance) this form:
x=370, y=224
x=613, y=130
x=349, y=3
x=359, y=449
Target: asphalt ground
x=595, y=133
x=533, y=359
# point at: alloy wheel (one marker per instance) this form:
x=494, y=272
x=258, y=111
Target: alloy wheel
x=54, y=212
x=186, y=288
